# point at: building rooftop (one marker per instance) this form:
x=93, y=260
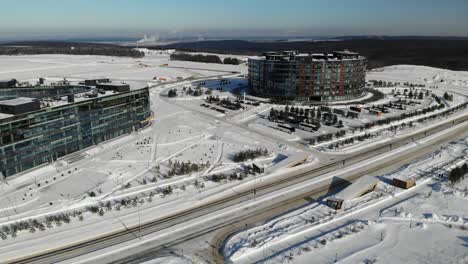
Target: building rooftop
x=63, y=100
x=17, y=101
x=54, y=102
x=78, y=93
x=346, y=52
x=294, y=55
x=358, y=188
x=113, y=84
x=402, y=178
x=97, y=79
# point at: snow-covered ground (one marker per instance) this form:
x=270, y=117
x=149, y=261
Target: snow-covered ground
x=126, y=181
x=455, y=81
x=432, y=81
x=168, y=260
x=426, y=224
x=126, y=69
x=127, y=176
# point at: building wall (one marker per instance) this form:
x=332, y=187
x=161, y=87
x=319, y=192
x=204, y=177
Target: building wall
x=307, y=80
x=35, y=138
x=43, y=91
x=8, y=84
x=19, y=108
x=114, y=87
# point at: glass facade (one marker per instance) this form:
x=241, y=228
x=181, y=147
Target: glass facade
x=322, y=77
x=34, y=138
x=43, y=91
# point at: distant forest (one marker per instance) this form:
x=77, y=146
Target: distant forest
x=450, y=53
x=441, y=53
x=196, y=58
x=31, y=48
x=203, y=58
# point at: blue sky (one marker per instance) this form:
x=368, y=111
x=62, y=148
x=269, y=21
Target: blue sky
x=234, y=17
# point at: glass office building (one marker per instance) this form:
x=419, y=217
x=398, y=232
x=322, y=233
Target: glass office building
x=37, y=137
x=43, y=91
x=320, y=77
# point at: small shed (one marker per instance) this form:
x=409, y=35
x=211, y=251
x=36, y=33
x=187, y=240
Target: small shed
x=364, y=185
x=258, y=168
x=403, y=182
x=335, y=203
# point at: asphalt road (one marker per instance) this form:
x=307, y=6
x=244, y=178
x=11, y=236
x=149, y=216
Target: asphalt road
x=107, y=240
x=228, y=226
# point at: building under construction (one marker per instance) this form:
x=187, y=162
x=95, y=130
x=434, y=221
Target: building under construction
x=41, y=124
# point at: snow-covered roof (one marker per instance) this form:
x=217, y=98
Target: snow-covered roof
x=403, y=178
x=358, y=188
x=290, y=161
x=17, y=101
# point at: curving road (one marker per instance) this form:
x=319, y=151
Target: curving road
x=246, y=194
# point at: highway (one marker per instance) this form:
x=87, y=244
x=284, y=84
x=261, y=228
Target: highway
x=225, y=229
x=261, y=189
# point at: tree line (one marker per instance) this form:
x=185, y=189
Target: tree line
x=180, y=56
x=232, y=61
x=394, y=128
x=182, y=168
x=249, y=154
x=381, y=83
x=101, y=50
x=445, y=52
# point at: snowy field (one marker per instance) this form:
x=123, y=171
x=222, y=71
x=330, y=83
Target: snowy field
x=183, y=156
x=426, y=224
x=187, y=155
x=455, y=81
x=425, y=82
x=143, y=70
